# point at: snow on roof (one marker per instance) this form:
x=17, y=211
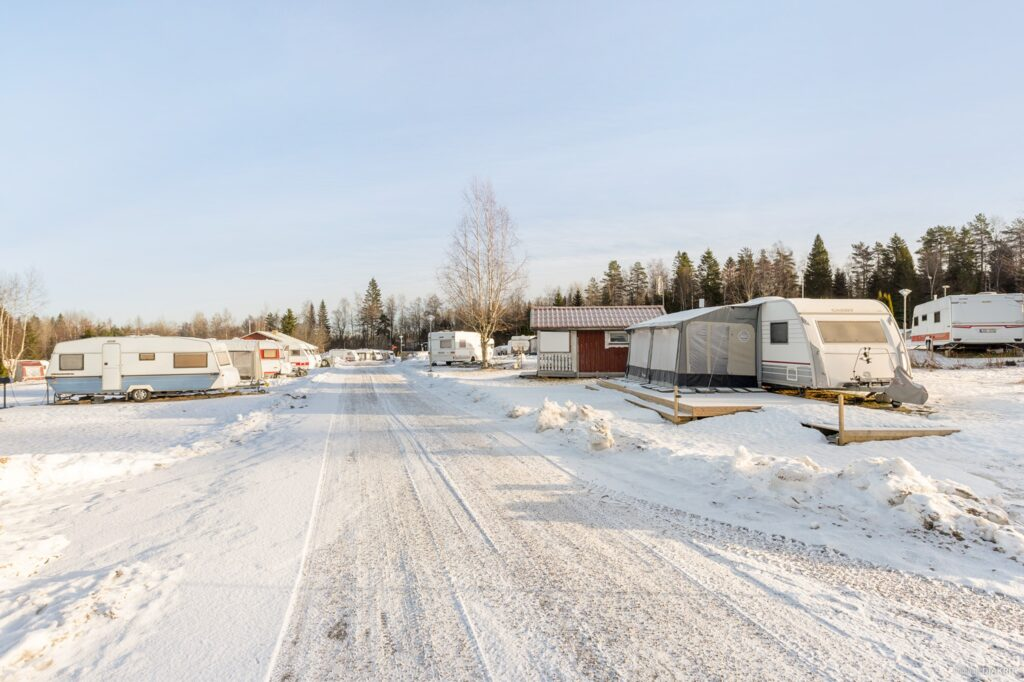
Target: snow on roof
x=592, y=317
x=673, y=319
x=281, y=337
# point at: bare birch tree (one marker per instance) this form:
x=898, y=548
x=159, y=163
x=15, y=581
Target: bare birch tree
x=20, y=298
x=485, y=272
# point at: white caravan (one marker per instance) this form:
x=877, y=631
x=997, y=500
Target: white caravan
x=140, y=366
x=523, y=345
x=450, y=347
x=985, y=319
x=301, y=355
x=848, y=344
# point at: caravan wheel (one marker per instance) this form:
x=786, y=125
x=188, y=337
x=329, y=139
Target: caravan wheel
x=139, y=395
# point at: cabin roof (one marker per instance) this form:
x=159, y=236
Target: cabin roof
x=612, y=317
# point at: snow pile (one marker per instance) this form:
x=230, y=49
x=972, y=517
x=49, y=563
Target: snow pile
x=873, y=488
x=519, y=411
x=573, y=418
x=49, y=625
x=35, y=474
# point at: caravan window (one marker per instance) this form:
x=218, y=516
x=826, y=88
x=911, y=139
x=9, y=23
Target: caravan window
x=915, y=320
x=223, y=359
x=296, y=353
x=191, y=360
x=936, y=315
x=446, y=343
x=270, y=354
x=852, y=331
x=146, y=357
x=72, y=362
x=780, y=332
x=462, y=343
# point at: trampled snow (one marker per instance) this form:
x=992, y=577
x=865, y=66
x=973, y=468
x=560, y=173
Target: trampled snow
x=475, y=523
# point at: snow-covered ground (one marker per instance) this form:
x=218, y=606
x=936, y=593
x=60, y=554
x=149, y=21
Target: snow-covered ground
x=379, y=522
x=951, y=507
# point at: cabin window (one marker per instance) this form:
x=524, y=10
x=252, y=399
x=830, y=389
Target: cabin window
x=462, y=343
x=74, y=361
x=616, y=339
x=780, y=332
x=852, y=331
x=296, y=353
x=223, y=359
x=915, y=320
x=145, y=357
x=936, y=315
x=270, y=353
x=446, y=343
x=191, y=360
x=553, y=342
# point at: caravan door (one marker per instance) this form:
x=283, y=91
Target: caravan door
x=111, y=367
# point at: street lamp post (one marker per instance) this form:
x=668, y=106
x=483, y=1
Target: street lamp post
x=904, y=293
x=430, y=363
x=945, y=288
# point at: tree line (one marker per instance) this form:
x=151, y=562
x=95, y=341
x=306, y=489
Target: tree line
x=483, y=281
x=985, y=254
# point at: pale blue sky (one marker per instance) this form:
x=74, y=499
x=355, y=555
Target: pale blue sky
x=159, y=160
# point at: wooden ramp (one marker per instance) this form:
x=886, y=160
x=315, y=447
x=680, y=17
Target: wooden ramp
x=844, y=435
x=681, y=410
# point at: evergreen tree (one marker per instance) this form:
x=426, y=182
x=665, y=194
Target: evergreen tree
x=614, y=290
x=818, y=272
x=592, y=294
x=577, y=298
x=784, y=272
x=272, y=322
x=636, y=286
x=289, y=322
x=730, y=291
x=323, y=322
x=840, y=289
x=983, y=236
x=862, y=265
x=683, y=281
x=746, y=275
x=709, y=279
x=370, y=311
x=558, y=299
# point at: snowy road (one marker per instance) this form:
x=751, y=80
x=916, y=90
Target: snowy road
x=441, y=547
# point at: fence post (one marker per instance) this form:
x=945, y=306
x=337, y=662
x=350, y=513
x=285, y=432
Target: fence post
x=841, y=439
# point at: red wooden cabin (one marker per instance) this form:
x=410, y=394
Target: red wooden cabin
x=586, y=341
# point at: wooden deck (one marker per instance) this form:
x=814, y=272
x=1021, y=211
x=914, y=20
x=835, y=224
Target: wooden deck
x=845, y=436
x=686, y=408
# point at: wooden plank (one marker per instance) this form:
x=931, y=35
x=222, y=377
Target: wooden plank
x=877, y=434
x=664, y=415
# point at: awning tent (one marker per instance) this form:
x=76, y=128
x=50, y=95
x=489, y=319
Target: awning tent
x=713, y=347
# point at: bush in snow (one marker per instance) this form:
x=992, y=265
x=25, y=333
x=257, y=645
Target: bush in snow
x=555, y=416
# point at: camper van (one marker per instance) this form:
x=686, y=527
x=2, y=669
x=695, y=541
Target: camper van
x=140, y=367
x=978, y=320
x=837, y=344
x=849, y=344
x=523, y=345
x=447, y=348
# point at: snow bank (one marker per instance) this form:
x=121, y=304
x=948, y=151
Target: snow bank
x=571, y=418
x=880, y=490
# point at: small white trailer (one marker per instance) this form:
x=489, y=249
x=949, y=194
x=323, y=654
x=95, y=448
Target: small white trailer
x=301, y=355
x=450, y=347
x=140, y=367
x=523, y=345
x=838, y=344
x=977, y=320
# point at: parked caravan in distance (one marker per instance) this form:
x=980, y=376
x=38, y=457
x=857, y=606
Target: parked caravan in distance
x=523, y=345
x=29, y=370
x=245, y=356
x=140, y=366
x=833, y=344
x=301, y=355
x=449, y=347
x=978, y=320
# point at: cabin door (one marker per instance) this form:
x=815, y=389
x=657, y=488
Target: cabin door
x=111, y=367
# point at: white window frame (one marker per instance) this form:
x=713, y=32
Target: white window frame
x=609, y=343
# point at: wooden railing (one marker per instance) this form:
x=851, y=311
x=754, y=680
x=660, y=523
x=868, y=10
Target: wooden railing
x=555, y=362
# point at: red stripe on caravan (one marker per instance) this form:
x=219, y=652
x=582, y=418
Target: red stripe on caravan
x=972, y=326
x=784, y=362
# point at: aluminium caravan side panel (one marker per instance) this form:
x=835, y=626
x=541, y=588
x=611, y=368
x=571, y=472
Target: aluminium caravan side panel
x=789, y=363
